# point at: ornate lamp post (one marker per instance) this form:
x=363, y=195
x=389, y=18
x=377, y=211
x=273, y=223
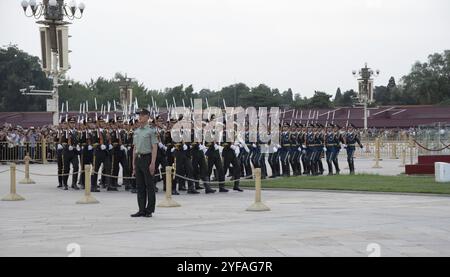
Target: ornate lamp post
x=365, y=91
x=54, y=42
x=126, y=92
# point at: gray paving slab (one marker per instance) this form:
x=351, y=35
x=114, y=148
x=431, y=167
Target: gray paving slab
x=300, y=223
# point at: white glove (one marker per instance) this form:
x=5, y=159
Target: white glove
x=90, y=147
x=278, y=146
x=70, y=148
x=128, y=148
x=216, y=147
x=172, y=150
x=60, y=147
x=300, y=149
x=110, y=147
x=304, y=151
x=304, y=146
x=185, y=147
x=275, y=150
x=161, y=145
x=325, y=149
x=123, y=148
x=237, y=151
x=233, y=147
x=103, y=147
x=254, y=145
x=78, y=148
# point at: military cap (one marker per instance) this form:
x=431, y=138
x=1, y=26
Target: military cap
x=143, y=112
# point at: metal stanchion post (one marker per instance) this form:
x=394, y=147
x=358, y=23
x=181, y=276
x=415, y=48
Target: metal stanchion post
x=44, y=152
x=13, y=196
x=258, y=206
x=403, y=157
x=377, y=153
x=168, y=202
x=87, y=198
x=394, y=151
x=27, y=179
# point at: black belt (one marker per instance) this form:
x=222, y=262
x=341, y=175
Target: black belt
x=143, y=155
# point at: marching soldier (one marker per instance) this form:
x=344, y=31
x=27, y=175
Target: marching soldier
x=70, y=154
x=309, y=147
x=320, y=138
x=293, y=151
x=169, y=154
x=244, y=154
x=128, y=143
x=230, y=154
x=60, y=138
x=86, y=147
x=284, y=151
x=200, y=167
x=273, y=159
x=116, y=156
x=331, y=146
x=300, y=149
x=351, y=138
x=99, y=138
x=214, y=160
x=183, y=165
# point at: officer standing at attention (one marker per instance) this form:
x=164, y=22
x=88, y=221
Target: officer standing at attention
x=145, y=150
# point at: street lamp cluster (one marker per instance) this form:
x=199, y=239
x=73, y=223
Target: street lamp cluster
x=54, y=42
x=365, y=93
x=53, y=9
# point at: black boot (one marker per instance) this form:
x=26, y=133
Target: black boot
x=208, y=189
x=182, y=187
x=112, y=188
x=330, y=168
x=75, y=187
x=198, y=186
x=192, y=190
x=237, y=188
x=222, y=189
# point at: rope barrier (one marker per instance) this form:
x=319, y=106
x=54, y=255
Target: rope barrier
x=211, y=182
x=431, y=150
x=51, y=175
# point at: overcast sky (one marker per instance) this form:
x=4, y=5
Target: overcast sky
x=303, y=45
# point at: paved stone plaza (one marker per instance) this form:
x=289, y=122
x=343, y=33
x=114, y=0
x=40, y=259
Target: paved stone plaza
x=301, y=223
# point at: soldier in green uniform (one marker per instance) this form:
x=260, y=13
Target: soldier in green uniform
x=145, y=142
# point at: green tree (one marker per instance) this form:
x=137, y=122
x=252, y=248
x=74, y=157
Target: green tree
x=19, y=70
x=338, y=97
x=320, y=100
x=429, y=82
